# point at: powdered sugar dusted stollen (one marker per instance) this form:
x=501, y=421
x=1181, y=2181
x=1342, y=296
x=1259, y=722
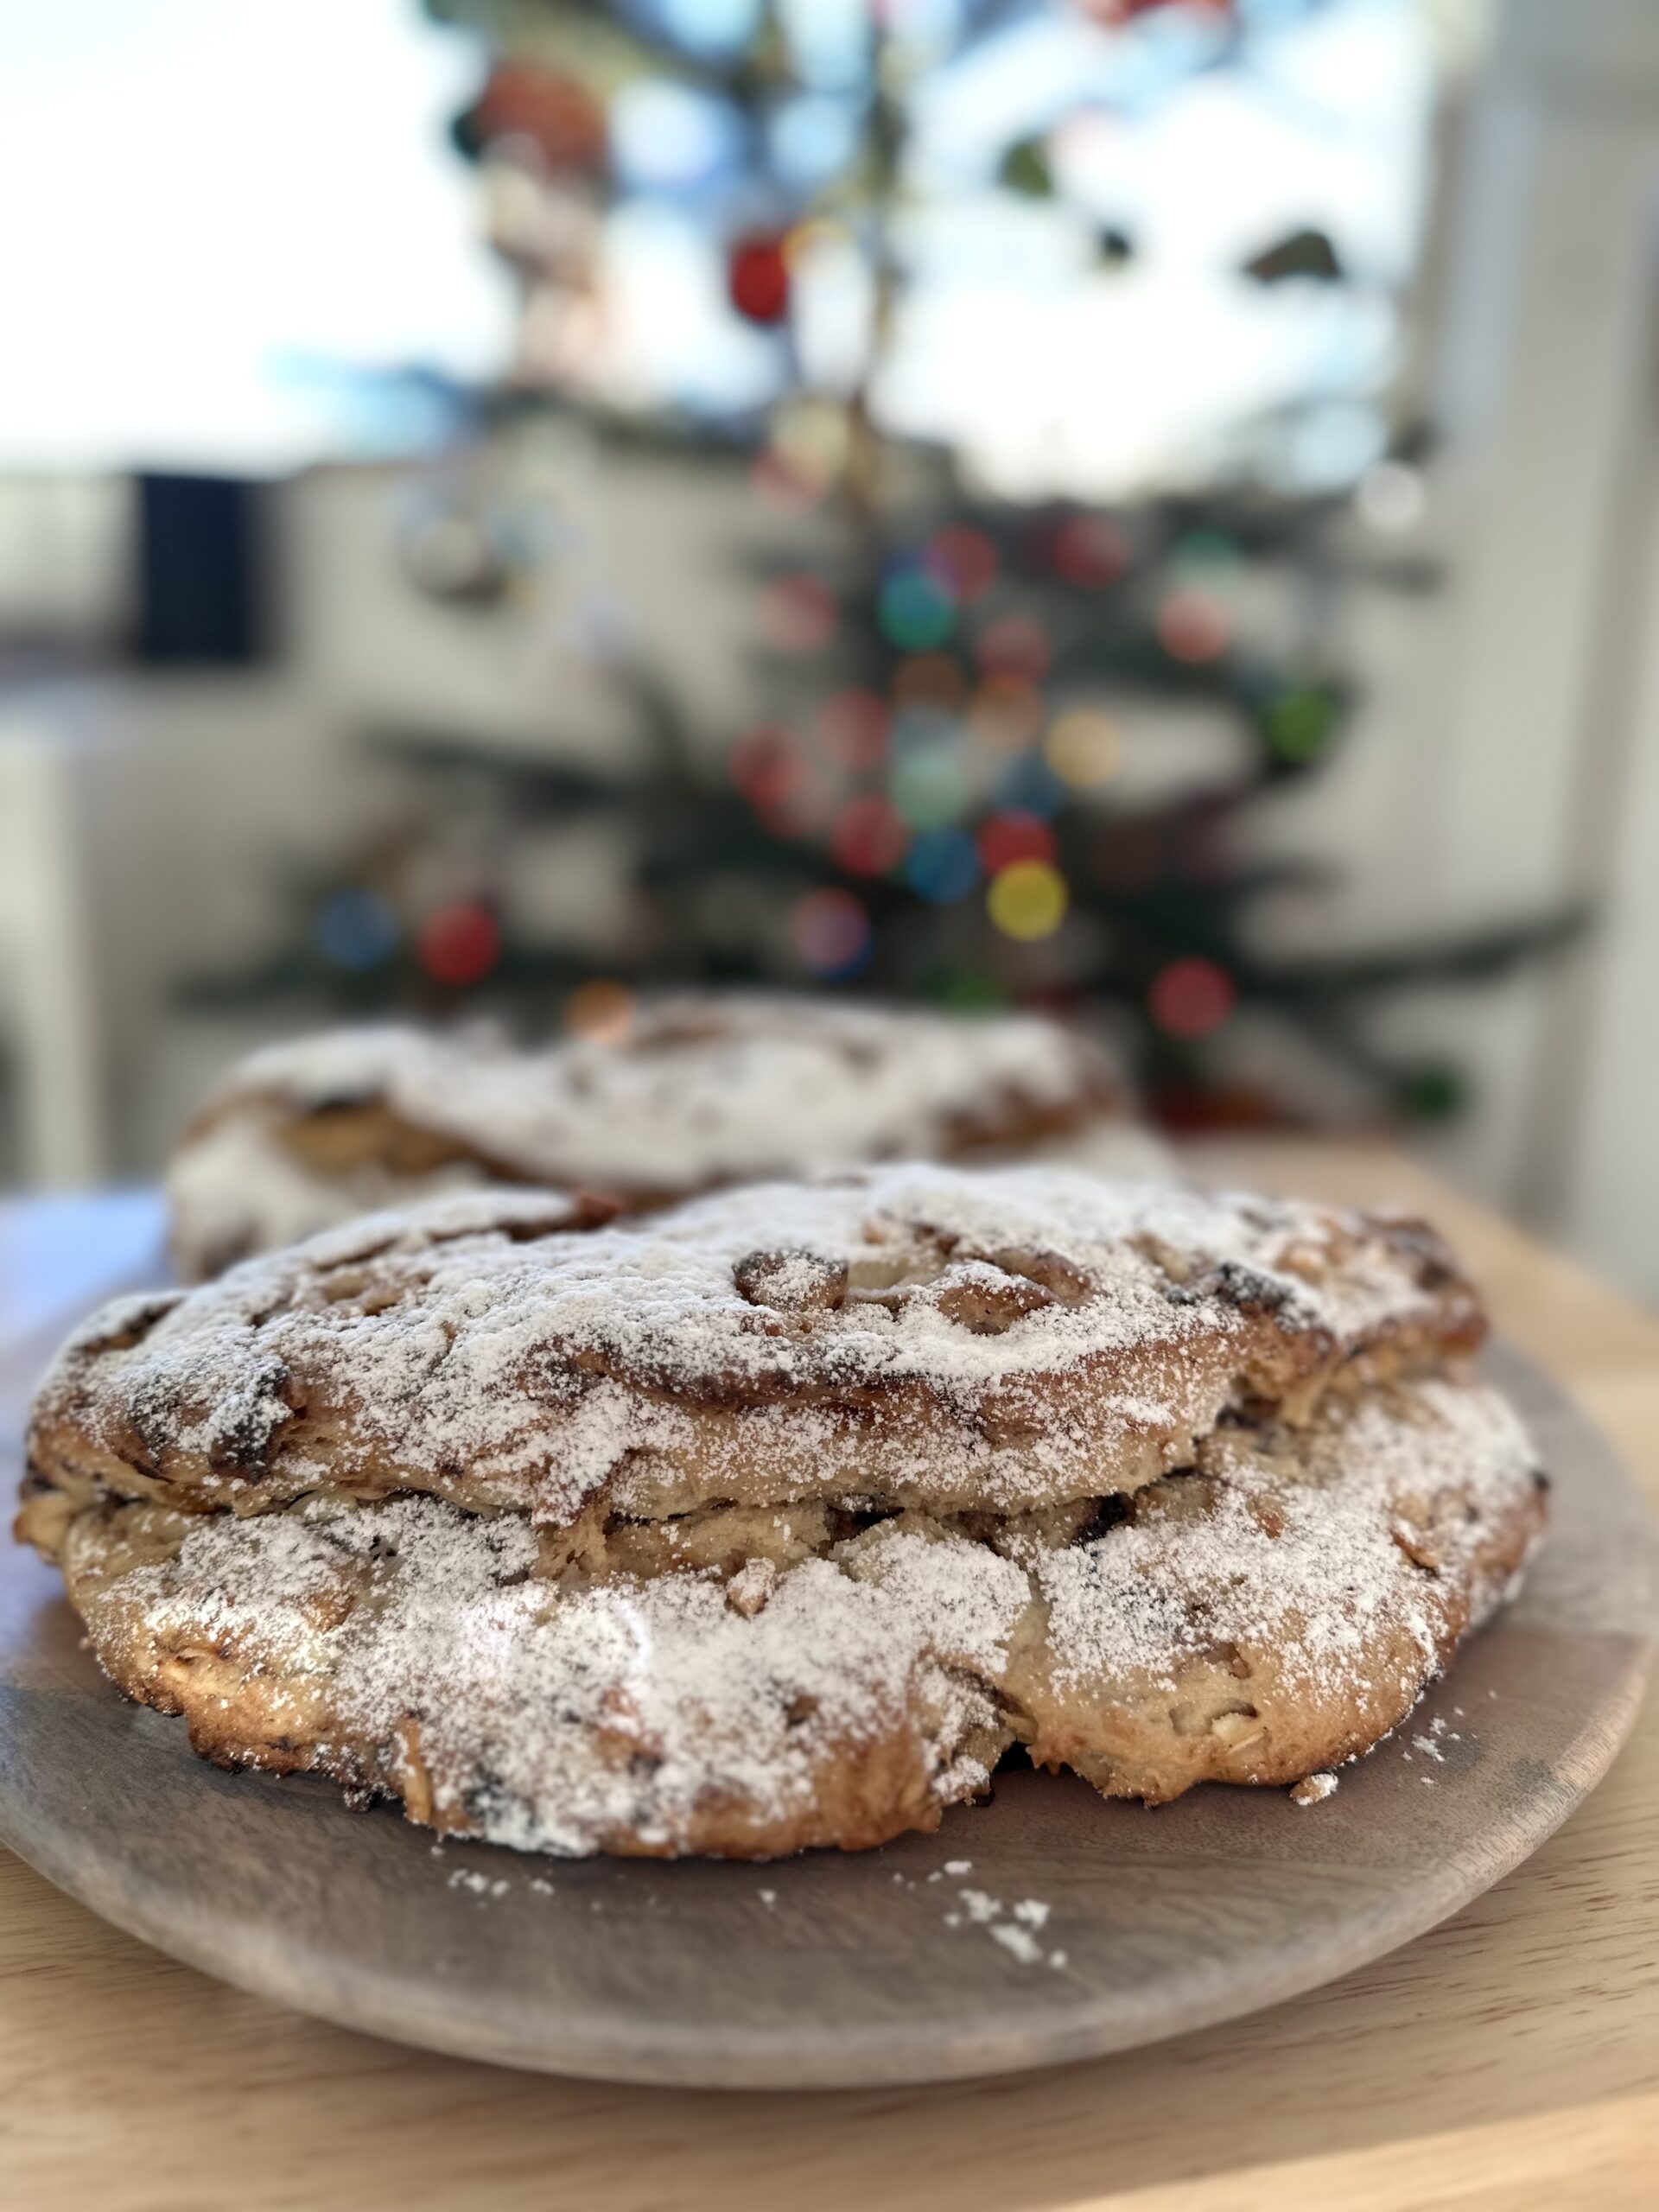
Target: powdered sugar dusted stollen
x=914, y=1335
x=700, y=1091
x=790, y=1680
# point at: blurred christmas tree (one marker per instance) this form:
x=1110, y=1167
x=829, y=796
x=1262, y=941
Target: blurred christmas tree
x=934, y=803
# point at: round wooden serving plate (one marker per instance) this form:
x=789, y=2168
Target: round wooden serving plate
x=833, y=1970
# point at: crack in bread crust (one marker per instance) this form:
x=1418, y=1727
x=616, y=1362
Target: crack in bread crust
x=748, y=1683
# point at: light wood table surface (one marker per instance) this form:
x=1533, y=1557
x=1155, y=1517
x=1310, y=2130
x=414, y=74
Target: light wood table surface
x=1509, y=2060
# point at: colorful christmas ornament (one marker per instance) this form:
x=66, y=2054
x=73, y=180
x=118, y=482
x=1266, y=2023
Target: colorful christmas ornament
x=757, y=278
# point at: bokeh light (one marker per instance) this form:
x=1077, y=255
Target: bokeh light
x=1091, y=549
x=963, y=560
x=929, y=786
x=943, y=866
x=811, y=434
x=1298, y=724
x=799, y=614
x=1006, y=838
x=1191, y=998
x=757, y=278
x=929, y=680
x=1007, y=712
x=868, y=838
x=459, y=944
x=852, y=729
x=1029, y=786
x=1194, y=627
x=916, y=611
x=971, y=990
x=1015, y=646
x=783, y=483
x=357, y=928
x=830, y=932
x=602, y=1010
x=768, y=766
x=1028, y=900
x=1205, y=557
x=1084, y=747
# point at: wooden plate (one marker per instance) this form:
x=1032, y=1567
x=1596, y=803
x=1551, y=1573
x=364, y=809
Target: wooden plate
x=864, y=1969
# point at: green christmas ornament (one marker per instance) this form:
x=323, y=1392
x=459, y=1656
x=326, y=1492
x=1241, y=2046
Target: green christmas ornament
x=1024, y=169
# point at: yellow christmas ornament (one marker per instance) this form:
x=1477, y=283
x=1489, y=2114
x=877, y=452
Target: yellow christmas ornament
x=1027, y=899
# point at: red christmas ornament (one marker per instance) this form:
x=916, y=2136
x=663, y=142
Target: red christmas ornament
x=459, y=945
x=963, y=560
x=1124, y=11
x=768, y=766
x=1190, y=998
x=869, y=839
x=1091, y=549
x=1194, y=627
x=1013, y=836
x=757, y=278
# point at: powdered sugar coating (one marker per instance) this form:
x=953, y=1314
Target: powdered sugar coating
x=999, y=1339
x=700, y=1092
x=1312, y=1568
x=427, y=1651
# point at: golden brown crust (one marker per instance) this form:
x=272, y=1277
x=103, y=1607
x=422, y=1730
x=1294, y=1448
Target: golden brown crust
x=747, y=1686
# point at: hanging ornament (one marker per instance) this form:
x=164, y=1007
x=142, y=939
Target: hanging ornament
x=1125, y=11
x=929, y=680
x=917, y=612
x=963, y=559
x=451, y=553
x=1006, y=712
x=1028, y=900
x=831, y=933
x=1307, y=253
x=1024, y=169
x=1084, y=747
x=757, y=278
x=557, y=115
x=357, y=928
x=1194, y=627
x=768, y=766
x=1191, y=998
x=1011, y=836
x=869, y=837
x=460, y=943
x=1093, y=550
x=1298, y=724
x=943, y=866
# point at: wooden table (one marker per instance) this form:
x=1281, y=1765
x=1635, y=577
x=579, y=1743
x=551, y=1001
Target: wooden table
x=1509, y=2059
